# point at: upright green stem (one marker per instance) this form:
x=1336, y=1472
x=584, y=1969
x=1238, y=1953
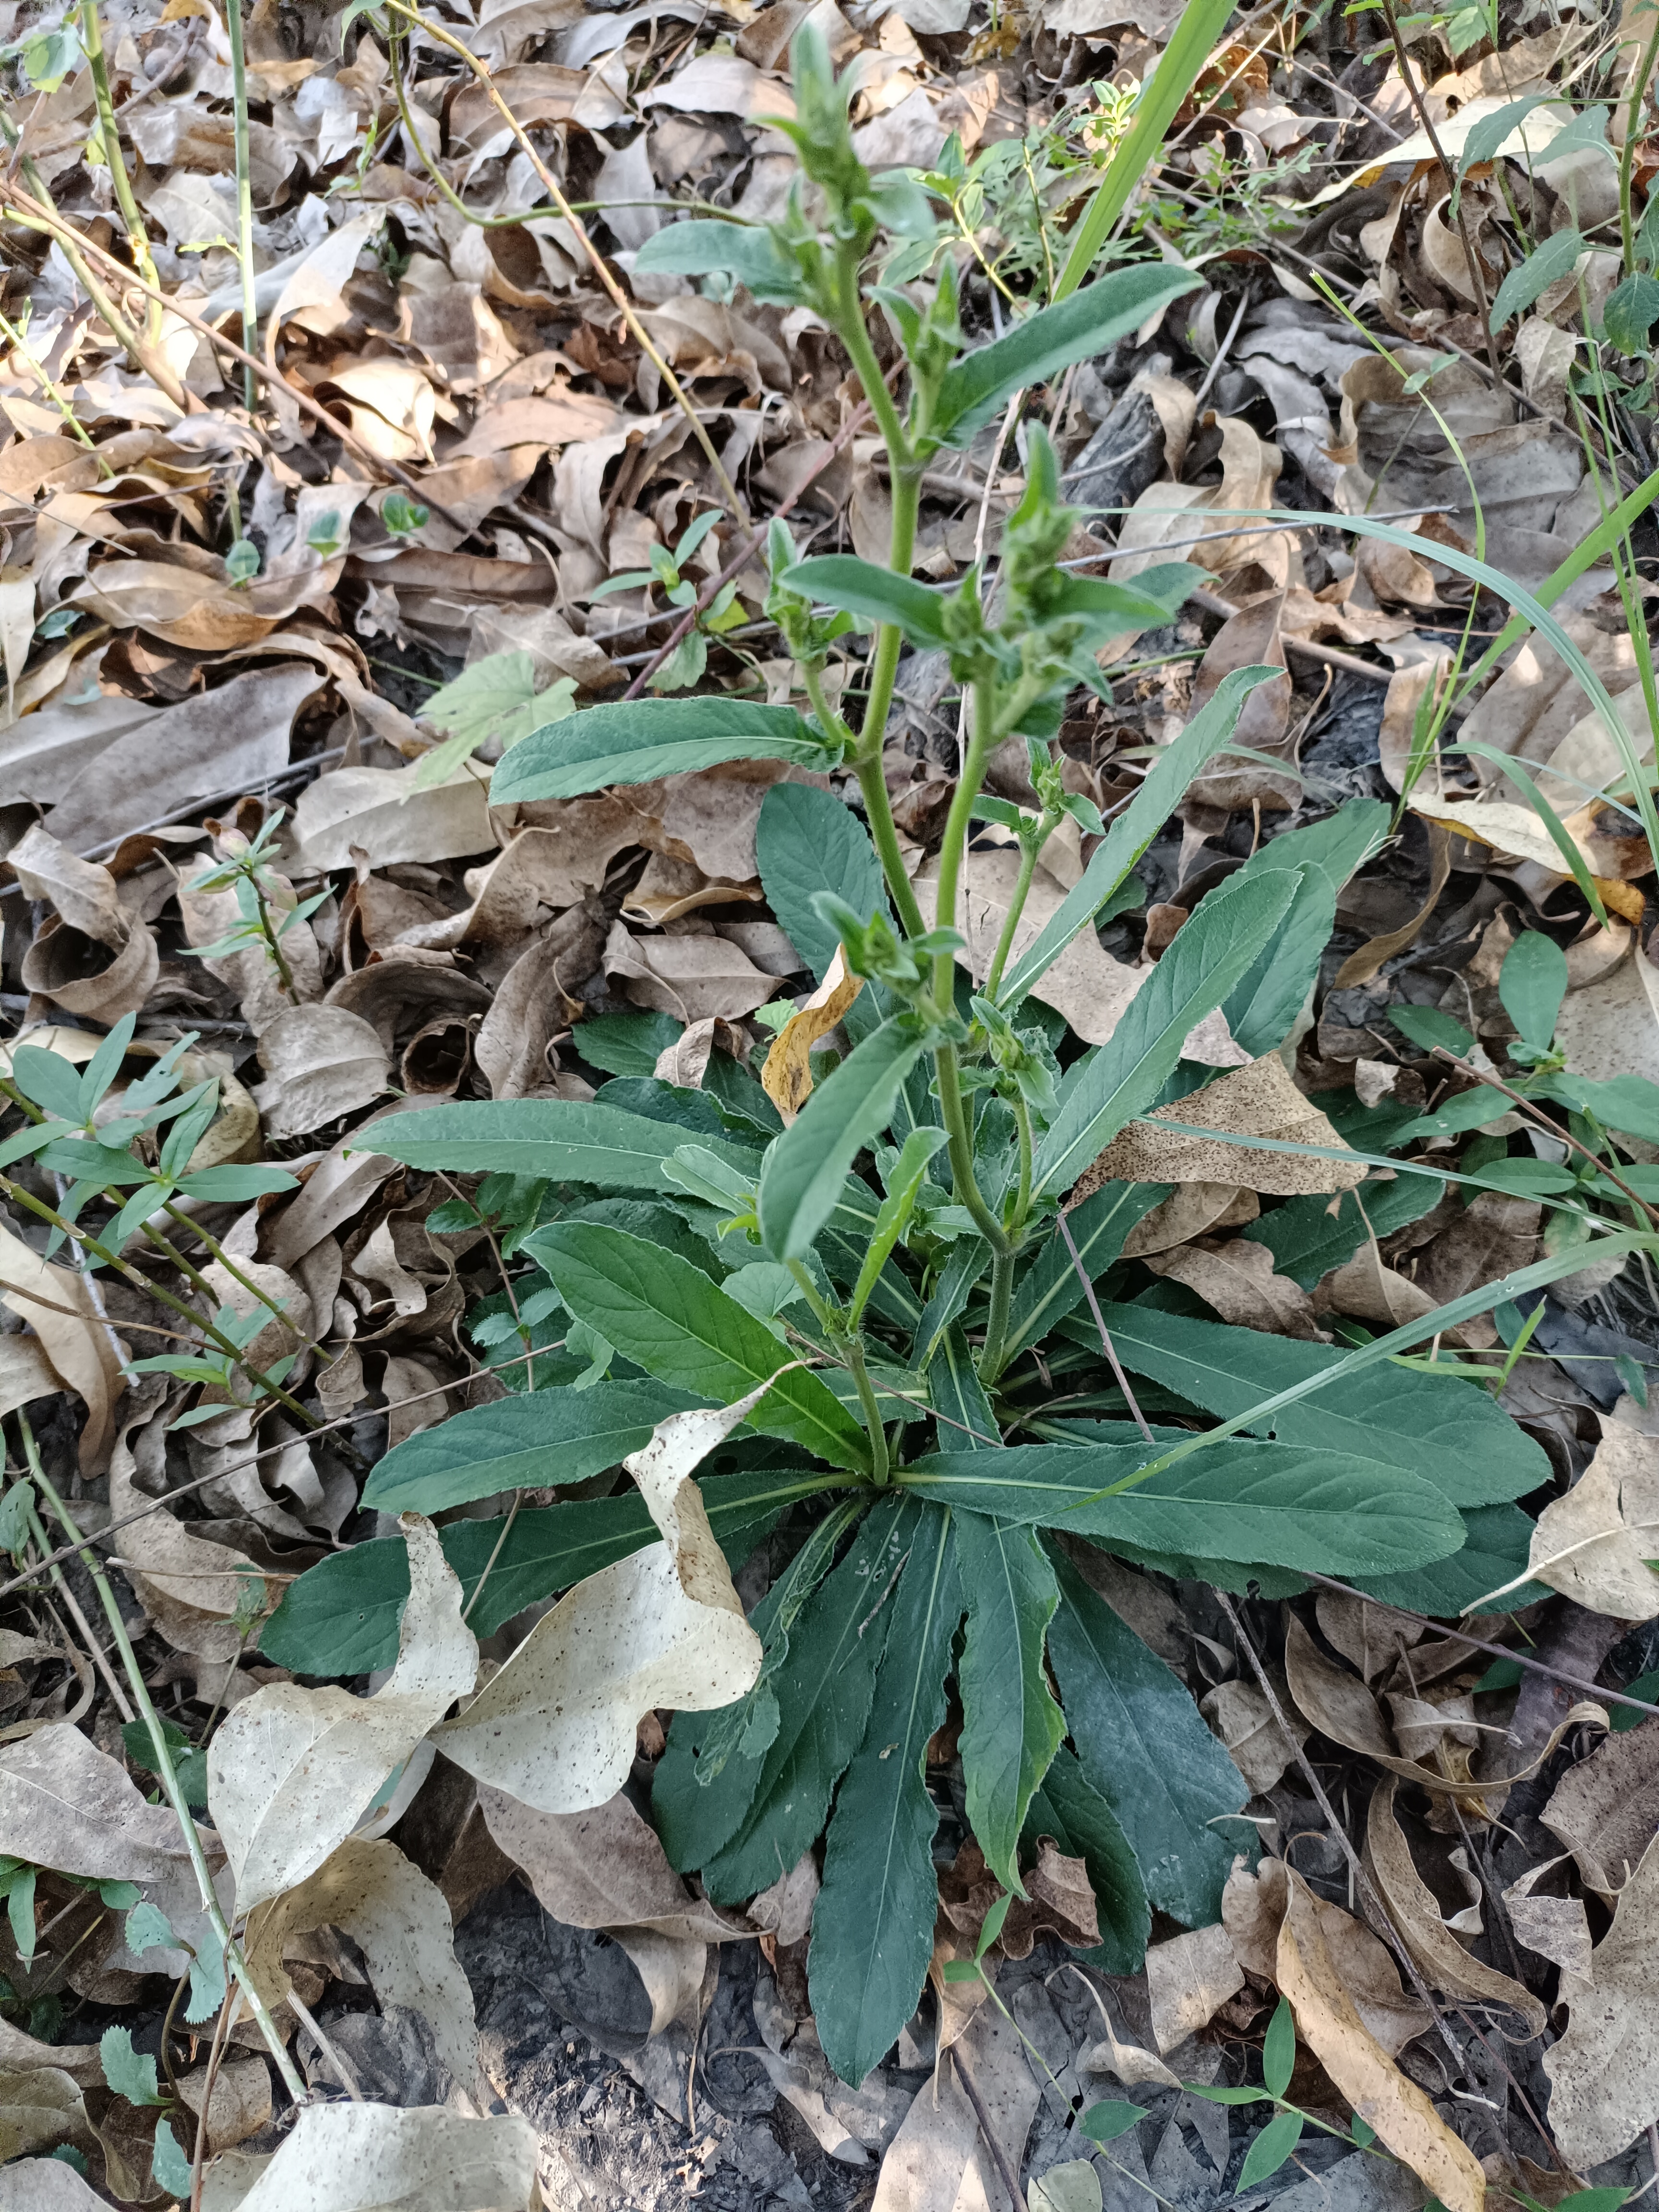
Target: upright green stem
x=957, y=823
x=879, y=1462
x=54, y=392
x=92, y=39
x=165, y=1769
x=992, y=1356
x=954, y=1115
x=1028, y=861
x=1627, y=151
x=244, y=192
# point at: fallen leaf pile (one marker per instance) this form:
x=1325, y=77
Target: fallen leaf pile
x=263, y=644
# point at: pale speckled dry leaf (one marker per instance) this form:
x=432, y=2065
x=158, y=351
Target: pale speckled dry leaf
x=1257, y=1101
x=66, y=1804
x=604, y=1867
x=1072, y=2187
x=45, y=2185
x=1592, y=1545
x=74, y=1338
x=21, y=2053
x=190, y=1588
x=83, y=893
x=399, y=1922
x=1604, y=2072
x=1241, y=1716
x=291, y=1772
x=26, y=1373
x=320, y=1062
x=1238, y=1279
x=1188, y=1980
x=937, y=2161
x=1606, y=1808
x=1557, y=1928
x=787, y=1077
x=381, y=809
x=370, y=2158
x=1441, y=1958
x=1405, y=2120
x=1084, y=983
x=555, y=1728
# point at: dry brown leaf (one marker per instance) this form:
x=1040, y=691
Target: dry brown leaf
x=382, y=810
x=1188, y=1980
x=1328, y=2022
x=1238, y=1279
x=364, y=2158
x=40, y=2107
x=937, y=2161
x=693, y=978
x=1257, y=1101
x=192, y=1589
x=604, y=1868
x=320, y=1062
x=1606, y=1808
x=787, y=1077
x=238, y=2106
x=1241, y=1716
x=21, y=2054
x=1253, y=1907
x=1192, y=1209
x=57, y=1304
x=1442, y=1959
x=1604, y=2072
x=1557, y=1928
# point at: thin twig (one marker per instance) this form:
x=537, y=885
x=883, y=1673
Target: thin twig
x=1550, y=1127
x=297, y=2005
x=198, y=2159
x=1106, y=1344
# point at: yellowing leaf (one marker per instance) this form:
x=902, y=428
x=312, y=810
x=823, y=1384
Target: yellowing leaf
x=787, y=1077
x=291, y=1772
x=1328, y=2022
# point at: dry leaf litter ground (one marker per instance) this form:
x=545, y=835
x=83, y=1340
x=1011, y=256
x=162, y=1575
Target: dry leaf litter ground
x=460, y=436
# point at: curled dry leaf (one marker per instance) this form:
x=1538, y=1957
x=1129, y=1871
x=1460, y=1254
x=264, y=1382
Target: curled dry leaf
x=366, y=2158
x=1257, y=1101
x=38, y=2108
x=1246, y=1723
x=1604, y=2071
x=291, y=1772
x=939, y=2161
x=1606, y=1808
x=400, y=1923
x=384, y=812
x=1557, y=1928
x=192, y=1589
x=320, y=1062
x=787, y=1076
x=1192, y=1209
x=1253, y=1912
x=1329, y=2022
x=57, y=1304
x=240, y=2104
x=555, y=1728
x=1441, y=1958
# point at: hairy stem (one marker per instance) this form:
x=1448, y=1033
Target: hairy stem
x=954, y=843
x=165, y=1769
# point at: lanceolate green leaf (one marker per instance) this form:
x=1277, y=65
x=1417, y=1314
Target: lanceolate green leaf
x=1121, y=1078
x=824, y=1690
x=1133, y=830
x=1146, y=1750
x=1068, y=1807
x=1051, y=1287
x=1264, y=1003
x=341, y=1616
x=876, y=595
x=649, y=738
x=959, y=1397
x=1446, y=1432
x=1051, y=340
x=697, y=248
x=1012, y=1726
x=805, y=1168
x=1495, y=1551
x=1324, y=1512
x=962, y=1268
x=562, y=1139
x=872, y=1927
x=668, y=1318
x=808, y=843
x=520, y=1444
